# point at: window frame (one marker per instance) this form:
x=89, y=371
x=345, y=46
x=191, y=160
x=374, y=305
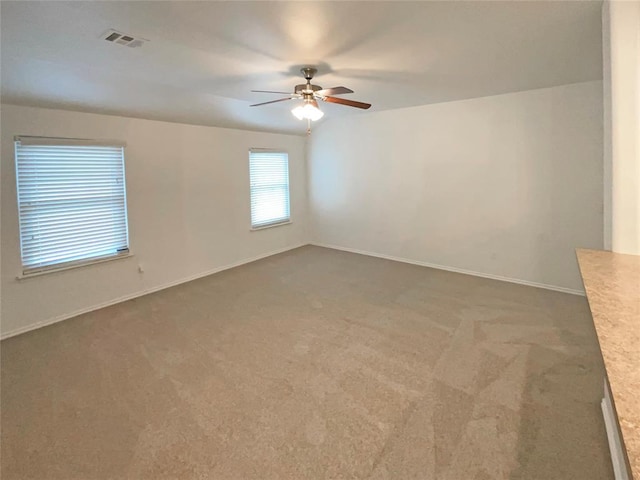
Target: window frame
x=278, y=222
x=34, y=271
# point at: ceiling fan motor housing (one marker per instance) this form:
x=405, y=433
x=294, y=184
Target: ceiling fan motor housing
x=303, y=88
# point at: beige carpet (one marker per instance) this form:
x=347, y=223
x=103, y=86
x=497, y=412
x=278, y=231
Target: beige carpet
x=313, y=364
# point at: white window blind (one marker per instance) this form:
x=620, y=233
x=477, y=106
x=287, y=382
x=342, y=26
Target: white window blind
x=269, y=179
x=71, y=201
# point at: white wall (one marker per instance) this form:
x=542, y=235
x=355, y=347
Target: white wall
x=622, y=19
x=188, y=203
x=507, y=185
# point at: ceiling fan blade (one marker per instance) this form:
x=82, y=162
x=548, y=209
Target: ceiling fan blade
x=272, y=101
x=315, y=104
x=334, y=91
x=344, y=101
x=269, y=91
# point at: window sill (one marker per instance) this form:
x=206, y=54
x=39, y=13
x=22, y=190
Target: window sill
x=72, y=267
x=271, y=225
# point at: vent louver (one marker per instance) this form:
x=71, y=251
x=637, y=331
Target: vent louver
x=113, y=36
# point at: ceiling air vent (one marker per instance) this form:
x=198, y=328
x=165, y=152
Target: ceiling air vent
x=114, y=36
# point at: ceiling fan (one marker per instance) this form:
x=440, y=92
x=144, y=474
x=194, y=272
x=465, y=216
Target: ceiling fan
x=310, y=94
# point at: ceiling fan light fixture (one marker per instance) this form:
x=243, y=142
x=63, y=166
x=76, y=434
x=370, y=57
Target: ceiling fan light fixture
x=307, y=111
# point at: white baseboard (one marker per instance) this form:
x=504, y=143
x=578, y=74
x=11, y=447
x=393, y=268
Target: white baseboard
x=140, y=293
x=456, y=270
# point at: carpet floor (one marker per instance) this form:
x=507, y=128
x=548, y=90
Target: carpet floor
x=312, y=364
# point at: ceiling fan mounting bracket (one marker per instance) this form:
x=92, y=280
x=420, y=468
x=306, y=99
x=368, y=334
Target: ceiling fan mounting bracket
x=308, y=72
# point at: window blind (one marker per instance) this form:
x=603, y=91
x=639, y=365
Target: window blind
x=269, y=179
x=71, y=201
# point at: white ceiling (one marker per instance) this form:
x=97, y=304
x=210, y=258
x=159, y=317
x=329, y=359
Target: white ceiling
x=203, y=58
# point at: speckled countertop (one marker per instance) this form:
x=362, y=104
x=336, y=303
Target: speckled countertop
x=612, y=283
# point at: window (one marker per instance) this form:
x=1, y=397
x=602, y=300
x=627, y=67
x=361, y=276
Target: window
x=269, y=179
x=71, y=202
